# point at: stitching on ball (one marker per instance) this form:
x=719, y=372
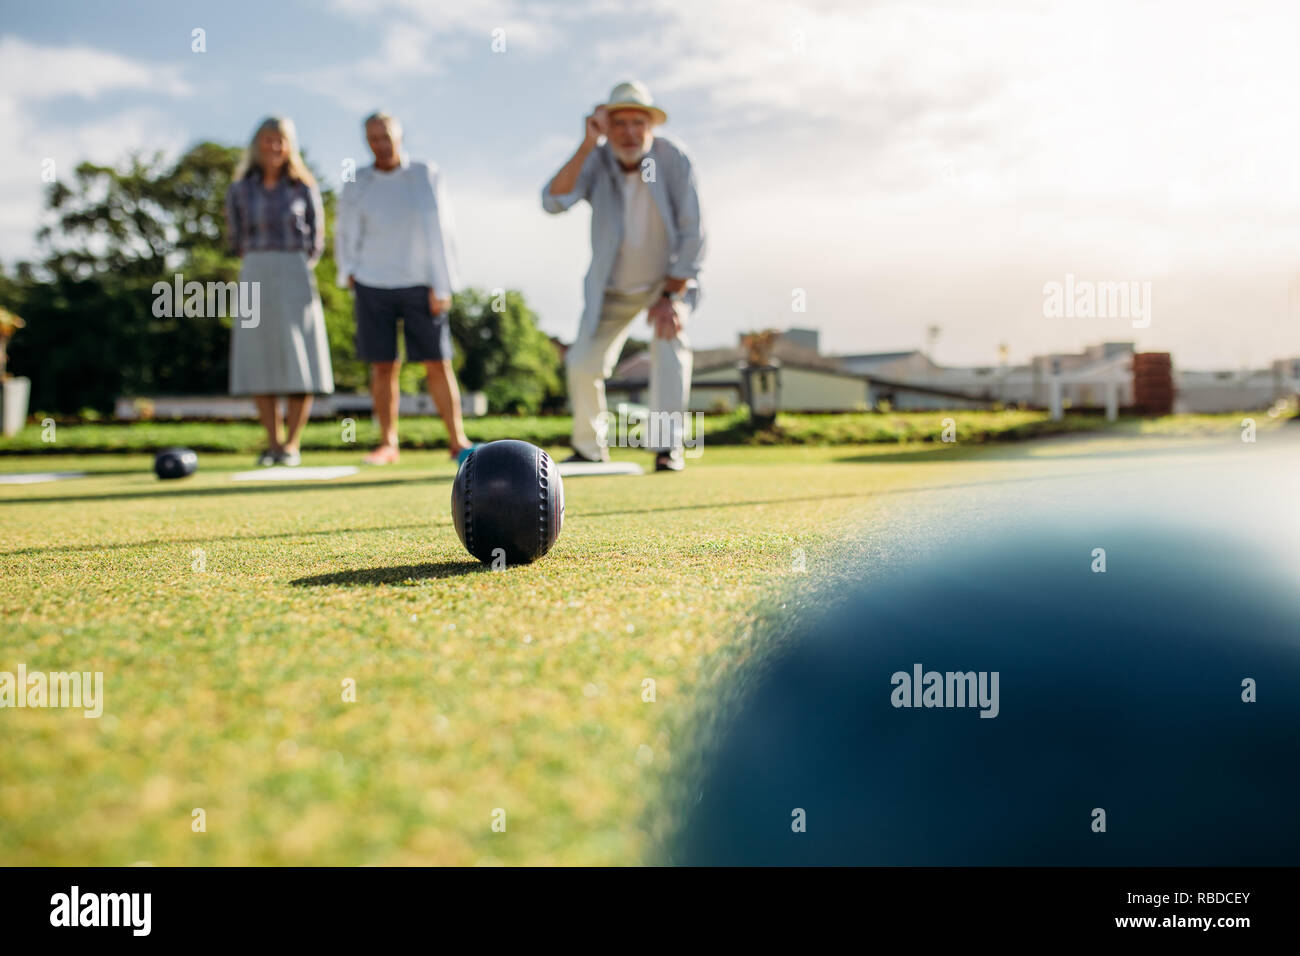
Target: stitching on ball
x=543, y=461
x=469, y=510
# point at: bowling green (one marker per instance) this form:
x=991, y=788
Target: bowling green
x=234, y=623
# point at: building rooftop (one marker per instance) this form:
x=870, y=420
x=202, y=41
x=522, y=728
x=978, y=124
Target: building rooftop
x=879, y=356
x=636, y=368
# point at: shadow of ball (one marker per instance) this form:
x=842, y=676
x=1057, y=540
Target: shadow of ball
x=507, y=502
x=175, y=463
x=1163, y=693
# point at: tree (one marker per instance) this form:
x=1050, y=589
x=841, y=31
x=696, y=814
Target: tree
x=118, y=231
x=503, y=353
x=92, y=336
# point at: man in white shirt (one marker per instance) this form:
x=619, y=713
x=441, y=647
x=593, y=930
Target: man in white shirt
x=647, y=246
x=395, y=248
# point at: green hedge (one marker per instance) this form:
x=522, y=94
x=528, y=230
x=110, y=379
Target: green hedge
x=550, y=431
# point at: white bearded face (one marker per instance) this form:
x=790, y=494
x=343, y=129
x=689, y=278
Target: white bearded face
x=631, y=132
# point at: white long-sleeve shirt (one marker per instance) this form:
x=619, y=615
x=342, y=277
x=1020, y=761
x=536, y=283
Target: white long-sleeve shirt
x=395, y=230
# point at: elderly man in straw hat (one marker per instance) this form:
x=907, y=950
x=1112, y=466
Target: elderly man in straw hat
x=647, y=244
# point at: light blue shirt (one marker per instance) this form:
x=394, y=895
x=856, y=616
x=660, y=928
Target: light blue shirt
x=673, y=184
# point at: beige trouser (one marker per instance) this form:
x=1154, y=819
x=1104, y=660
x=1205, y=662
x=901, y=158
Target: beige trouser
x=591, y=359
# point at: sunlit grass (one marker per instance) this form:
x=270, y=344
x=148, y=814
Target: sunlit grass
x=729, y=429
x=226, y=618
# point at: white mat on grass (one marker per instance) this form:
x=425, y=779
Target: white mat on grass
x=576, y=469
x=285, y=473
x=36, y=477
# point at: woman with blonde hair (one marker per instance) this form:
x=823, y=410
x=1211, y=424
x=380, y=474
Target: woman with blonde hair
x=276, y=223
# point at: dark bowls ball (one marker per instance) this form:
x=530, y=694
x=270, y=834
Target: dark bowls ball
x=175, y=463
x=1129, y=692
x=508, y=502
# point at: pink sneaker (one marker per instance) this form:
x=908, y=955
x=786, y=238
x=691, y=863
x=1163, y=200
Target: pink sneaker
x=383, y=455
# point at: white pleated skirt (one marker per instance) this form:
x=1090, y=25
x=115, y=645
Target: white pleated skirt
x=286, y=351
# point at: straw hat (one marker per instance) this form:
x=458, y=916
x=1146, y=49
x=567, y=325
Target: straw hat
x=633, y=95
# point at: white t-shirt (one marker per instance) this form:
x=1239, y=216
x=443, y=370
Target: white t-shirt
x=643, y=256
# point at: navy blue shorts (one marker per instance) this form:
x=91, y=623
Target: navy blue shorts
x=428, y=336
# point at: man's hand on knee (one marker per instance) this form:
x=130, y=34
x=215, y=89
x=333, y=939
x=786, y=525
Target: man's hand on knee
x=665, y=318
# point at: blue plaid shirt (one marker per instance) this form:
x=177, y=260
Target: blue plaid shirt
x=286, y=218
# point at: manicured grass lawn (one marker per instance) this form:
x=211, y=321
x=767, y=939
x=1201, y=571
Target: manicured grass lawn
x=730, y=429
x=476, y=690
x=427, y=433
x=226, y=617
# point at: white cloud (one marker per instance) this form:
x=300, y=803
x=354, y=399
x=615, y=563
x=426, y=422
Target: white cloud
x=31, y=78
x=33, y=73
x=918, y=162
x=359, y=86
x=419, y=40
x=913, y=163
x=526, y=24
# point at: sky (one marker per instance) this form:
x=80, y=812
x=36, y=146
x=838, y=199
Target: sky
x=871, y=170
